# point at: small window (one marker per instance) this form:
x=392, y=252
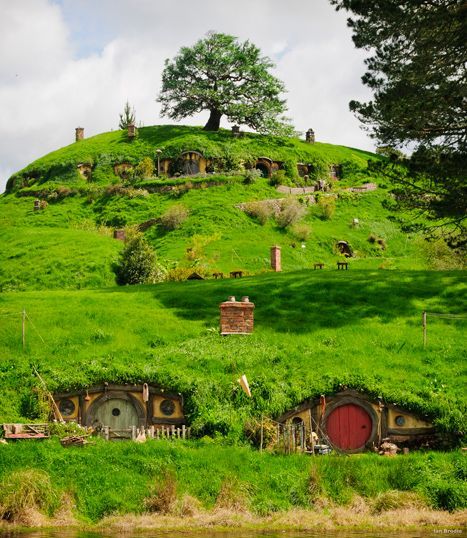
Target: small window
x=116, y=412
x=400, y=420
x=167, y=407
x=66, y=407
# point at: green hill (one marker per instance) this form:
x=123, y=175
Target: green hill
x=69, y=243
x=316, y=332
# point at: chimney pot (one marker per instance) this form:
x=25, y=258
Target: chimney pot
x=231, y=299
x=245, y=299
x=79, y=133
x=276, y=259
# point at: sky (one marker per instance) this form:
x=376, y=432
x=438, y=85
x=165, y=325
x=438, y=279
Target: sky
x=70, y=63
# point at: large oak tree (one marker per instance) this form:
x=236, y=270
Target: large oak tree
x=227, y=78
x=416, y=70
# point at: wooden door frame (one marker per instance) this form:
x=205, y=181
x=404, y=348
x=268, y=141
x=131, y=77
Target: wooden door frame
x=366, y=406
x=115, y=395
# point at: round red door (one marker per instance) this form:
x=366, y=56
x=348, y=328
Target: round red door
x=349, y=427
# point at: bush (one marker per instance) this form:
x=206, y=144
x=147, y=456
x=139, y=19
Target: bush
x=261, y=211
x=326, y=207
x=145, y=168
x=137, y=263
x=291, y=212
x=278, y=177
x=174, y=217
x=251, y=175
x=301, y=231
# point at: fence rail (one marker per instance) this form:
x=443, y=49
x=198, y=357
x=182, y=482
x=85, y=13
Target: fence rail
x=153, y=432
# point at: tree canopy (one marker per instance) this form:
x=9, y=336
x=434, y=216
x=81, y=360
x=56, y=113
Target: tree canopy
x=227, y=78
x=416, y=70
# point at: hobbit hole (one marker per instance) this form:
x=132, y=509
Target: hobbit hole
x=121, y=408
x=352, y=422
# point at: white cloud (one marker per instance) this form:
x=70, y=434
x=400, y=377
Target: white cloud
x=78, y=61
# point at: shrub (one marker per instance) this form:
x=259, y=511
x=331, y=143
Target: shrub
x=291, y=212
x=301, y=231
x=278, y=178
x=145, y=168
x=137, y=262
x=326, y=207
x=174, y=217
x=261, y=211
x=179, y=274
x=251, y=175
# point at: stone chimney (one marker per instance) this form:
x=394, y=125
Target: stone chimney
x=310, y=136
x=131, y=130
x=237, y=316
x=79, y=133
x=276, y=259
x=120, y=235
x=236, y=131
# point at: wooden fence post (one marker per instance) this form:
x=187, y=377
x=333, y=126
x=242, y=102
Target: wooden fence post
x=424, y=328
x=261, y=437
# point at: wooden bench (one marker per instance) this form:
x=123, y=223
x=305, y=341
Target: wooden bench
x=342, y=265
x=318, y=266
x=218, y=275
x=236, y=274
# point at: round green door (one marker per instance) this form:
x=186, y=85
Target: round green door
x=118, y=414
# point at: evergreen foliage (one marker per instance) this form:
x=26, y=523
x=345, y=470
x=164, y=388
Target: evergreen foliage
x=227, y=78
x=137, y=261
x=418, y=76
x=127, y=117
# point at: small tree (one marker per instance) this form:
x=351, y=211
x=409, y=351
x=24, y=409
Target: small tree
x=137, y=262
x=128, y=117
x=227, y=78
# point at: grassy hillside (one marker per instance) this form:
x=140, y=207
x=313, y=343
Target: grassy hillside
x=315, y=332
x=119, y=478
x=105, y=150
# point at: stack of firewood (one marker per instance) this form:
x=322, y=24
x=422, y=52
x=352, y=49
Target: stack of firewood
x=73, y=440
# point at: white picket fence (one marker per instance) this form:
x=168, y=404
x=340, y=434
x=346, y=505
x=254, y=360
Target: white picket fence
x=153, y=432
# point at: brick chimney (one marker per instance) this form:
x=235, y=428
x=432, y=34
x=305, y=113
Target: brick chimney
x=131, y=130
x=119, y=234
x=237, y=316
x=276, y=259
x=79, y=133
x=310, y=136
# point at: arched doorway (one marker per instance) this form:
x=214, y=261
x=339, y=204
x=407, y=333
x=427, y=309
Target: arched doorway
x=117, y=410
x=349, y=427
x=263, y=168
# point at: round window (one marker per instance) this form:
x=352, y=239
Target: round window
x=66, y=407
x=400, y=420
x=167, y=407
x=115, y=411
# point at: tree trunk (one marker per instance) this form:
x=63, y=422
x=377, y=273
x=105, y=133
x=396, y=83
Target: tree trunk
x=214, y=121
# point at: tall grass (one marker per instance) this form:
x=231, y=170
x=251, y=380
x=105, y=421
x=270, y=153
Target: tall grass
x=120, y=478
